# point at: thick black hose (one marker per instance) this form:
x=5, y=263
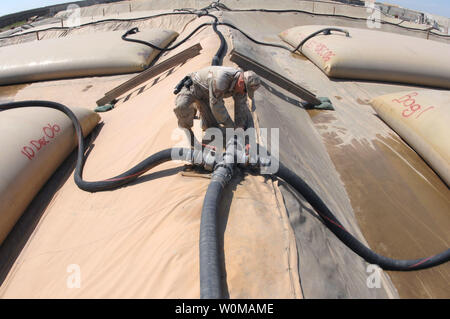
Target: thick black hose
x=210, y=270
x=210, y=264
x=135, y=30
x=119, y=180
x=254, y=40
x=348, y=239
x=124, y=37
x=221, y=51
x=217, y=57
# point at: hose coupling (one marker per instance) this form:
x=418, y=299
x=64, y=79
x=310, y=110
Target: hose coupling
x=209, y=160
x=222, y=172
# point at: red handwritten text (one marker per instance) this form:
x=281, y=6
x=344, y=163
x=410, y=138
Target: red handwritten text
x=319, y=48
x=409, y=102
x=36, y=145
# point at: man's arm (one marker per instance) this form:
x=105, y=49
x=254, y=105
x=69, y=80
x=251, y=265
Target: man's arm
x=217, y=105
x=241, y=110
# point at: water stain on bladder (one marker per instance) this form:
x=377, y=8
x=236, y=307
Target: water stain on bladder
x=321, y=116
x=363, y=102
x=7, y=93
x=299, y=56
x=400, y=203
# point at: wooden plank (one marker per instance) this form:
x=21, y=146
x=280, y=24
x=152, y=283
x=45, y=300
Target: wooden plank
x=149, y=73
x=249, y=64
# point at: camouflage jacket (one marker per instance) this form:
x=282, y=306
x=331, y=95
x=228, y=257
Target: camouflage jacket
x=219, y=82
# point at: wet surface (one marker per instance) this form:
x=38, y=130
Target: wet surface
x=362, y=102
x=327, y=268
x=323, y=117
x=401, y=205
x=299, y=56
x=8, y=92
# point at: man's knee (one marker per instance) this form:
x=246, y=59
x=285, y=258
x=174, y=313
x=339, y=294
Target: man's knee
x=184, y=111
x=185, y=116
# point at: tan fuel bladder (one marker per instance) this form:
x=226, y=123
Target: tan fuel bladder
x=141, y=240
x=421, y=118
x=100, y=53
x=374, y=55
x=35, y=142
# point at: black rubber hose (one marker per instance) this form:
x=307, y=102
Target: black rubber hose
x=348, y=239
x=135, y=30
x=210, y=271
x=221, y=51
x=210, y=263
x=254, y=40
x=326, y=31
x=153, y=46
x=217, y=57
x=128, y=176
x=124, y=37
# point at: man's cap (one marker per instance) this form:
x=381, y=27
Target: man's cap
x=252, y=82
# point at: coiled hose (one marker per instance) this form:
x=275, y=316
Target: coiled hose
x=348, y=239
x=119, y=180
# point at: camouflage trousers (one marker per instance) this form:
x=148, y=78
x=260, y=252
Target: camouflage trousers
x=188, y=101
x=194, y=98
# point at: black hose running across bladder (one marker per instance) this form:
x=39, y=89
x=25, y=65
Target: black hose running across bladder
x=119, y=180
x=220, y=52
x=348, y=239
x=210, y=270
x=217, y=57
x=211, y=274
x=326, y=31
x=210, y=264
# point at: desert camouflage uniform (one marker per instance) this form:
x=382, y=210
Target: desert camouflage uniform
x=210, y=86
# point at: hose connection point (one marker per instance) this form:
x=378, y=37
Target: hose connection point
x=209, y=160
x=222, y=172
